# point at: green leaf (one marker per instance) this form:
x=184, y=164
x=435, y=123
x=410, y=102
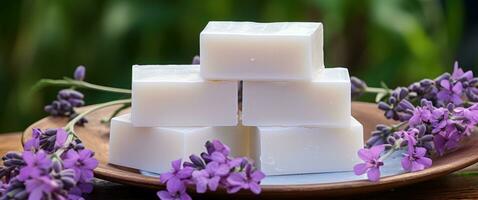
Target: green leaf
x=384, y=85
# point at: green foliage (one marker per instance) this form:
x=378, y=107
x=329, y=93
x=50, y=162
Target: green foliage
x=393, y=40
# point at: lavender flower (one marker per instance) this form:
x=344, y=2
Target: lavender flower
x=415, y=159
x=372, y=163
x=394, y=108
x=214, y=169
x=177, y=174
x=358, y=87
x=80, y=72
x=178, y=192
x=83, y=162
x=450, y=93
x=446, y=140
x=12, y=162
x=208, y=178
x=40, y=187
x=248, y=180
x=37, y=164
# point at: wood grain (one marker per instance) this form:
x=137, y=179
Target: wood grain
x=95, y=137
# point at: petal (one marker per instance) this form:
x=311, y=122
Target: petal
x=426, y=162
x=165, y=177
x=377, y=150
x=185, y=196
x=176, y=164
x=457, y=88
x=28, y=157
x=201, y=185
x=417, y=167
x=185, y=172
x=373, y=174
x=214, y=183
x=233, y=189
x=36, y=194
x=90, y=163
x=420, y=151
x=237, y=178
x=174, y=185
x=445, y=84
x=360, y=169
x=164, y=195
x=406, y=163
x=365, y=154
x=257, y=176
x=255, y=188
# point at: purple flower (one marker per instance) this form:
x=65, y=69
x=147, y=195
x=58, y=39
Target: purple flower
x=450, y=92
x=33, y=144
x=39, y=187
x=79, y=73
x=441, y=120
x=459, y=74
x=420, y=115
x=176, y=174
x=250, y=179
x=414, y=159
x=358, y=87
x=177, y=191
x=82, y=162
x=446, y=140
x=217, y=146
x=372, y=162
x=37, y=164
x=207, y=178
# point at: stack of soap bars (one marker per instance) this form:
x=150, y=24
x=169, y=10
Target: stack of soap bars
x=295, y=114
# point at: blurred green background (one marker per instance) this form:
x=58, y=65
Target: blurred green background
x=398, y=41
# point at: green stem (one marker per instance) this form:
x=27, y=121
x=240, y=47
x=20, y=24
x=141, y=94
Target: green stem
x=71, y=124
x=79, y=84
x=377, y=90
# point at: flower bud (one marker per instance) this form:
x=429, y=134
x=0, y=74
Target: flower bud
x=80, y=72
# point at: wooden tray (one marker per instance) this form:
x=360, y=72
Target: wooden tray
x=95, y=136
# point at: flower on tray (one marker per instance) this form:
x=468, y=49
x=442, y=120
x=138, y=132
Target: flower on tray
x=213, y=169
x=433, y=117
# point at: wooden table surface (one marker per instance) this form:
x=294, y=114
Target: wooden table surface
x=453, y=186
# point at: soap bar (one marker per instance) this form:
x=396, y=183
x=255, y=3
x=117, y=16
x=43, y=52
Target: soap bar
x=149, y=149
x=175, y=95
x=323, y=101
x=261, y=51
x=301, y=150
x=152, y=149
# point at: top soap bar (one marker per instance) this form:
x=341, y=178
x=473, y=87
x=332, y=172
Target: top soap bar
x=261, y=51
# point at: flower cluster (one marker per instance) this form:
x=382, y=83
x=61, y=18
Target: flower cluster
x=68, y=99
x=212, y=169
x=49, y=168
x=457, y=88
x=434, y=117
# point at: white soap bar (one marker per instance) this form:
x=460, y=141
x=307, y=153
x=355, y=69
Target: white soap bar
x=175, y=95
x=153, y=149
x=261, y=51
x=149, y=149
x=301, y=150
x=324, y=101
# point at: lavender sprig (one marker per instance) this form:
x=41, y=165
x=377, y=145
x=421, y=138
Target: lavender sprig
x=434, y=115
x=215, y=168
